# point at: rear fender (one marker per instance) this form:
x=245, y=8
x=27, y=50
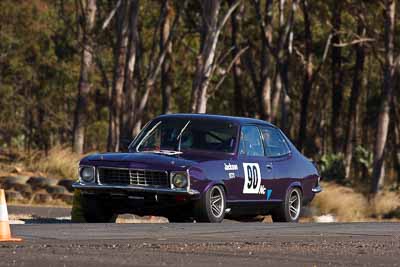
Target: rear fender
x=293, y=185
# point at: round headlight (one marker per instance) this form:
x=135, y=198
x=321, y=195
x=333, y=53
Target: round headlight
x=87, y=174
x=179, y=180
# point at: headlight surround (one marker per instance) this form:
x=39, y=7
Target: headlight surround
x=179, y=180
x=86, y=174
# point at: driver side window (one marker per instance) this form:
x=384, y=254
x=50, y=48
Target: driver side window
x=275, y=144
x=250, y=142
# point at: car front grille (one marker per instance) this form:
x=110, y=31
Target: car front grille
x=133, y=177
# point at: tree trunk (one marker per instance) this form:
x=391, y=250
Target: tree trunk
x=277, y=89
x=351, y=134
x=308, y=76
x=156, y=64
x=236, y=24
x=284, y=73
x=207, y=55
x=337, y=74
x=396, y=137
x=119, y=77
x=285, y=99
x=388, y=78
x=84, y=86
x=130, y=84
x=212, y=28
x=285, y=104
x=277, y=93
x=166, y=68
x=265, y=86
x=273, y=87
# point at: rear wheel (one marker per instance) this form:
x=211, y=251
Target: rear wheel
x=290, y=209
x=211, y=207
x=96, y=211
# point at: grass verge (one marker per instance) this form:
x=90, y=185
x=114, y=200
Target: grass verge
x=59, y=163
x=347, y=205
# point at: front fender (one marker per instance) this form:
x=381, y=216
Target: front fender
x=200, y=182
x=212, y=183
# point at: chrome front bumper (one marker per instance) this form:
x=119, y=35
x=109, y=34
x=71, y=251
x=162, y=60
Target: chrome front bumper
x=130, y=188
x=317, y=189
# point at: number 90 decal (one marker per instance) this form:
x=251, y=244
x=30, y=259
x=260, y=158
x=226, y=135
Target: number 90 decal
x=252, y=178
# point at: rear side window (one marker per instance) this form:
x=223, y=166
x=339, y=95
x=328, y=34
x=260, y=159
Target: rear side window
x=251, y=142
x=274, y=143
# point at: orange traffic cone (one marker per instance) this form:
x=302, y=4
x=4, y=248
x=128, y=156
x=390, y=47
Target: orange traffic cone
x=5, y=233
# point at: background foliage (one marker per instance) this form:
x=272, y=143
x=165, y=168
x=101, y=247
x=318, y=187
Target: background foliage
x=40, y=63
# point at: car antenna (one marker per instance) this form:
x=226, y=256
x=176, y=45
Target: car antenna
x=179, y=138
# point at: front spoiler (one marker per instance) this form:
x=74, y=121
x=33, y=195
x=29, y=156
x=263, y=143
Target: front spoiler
x=130, y=188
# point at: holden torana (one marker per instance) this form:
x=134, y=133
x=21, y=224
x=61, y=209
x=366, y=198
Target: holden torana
x=200, y=167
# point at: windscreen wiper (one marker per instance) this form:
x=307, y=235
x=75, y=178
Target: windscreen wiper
x=179, y=138
x=147, y=135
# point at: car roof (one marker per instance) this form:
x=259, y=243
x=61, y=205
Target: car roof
x=232, y=119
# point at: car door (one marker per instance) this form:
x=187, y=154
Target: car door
x=279, y=159
x=255, y=170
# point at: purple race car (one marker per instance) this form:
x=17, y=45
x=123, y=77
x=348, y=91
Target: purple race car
x=202, y=167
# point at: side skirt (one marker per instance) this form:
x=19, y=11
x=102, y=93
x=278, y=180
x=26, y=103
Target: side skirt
x=251, y=207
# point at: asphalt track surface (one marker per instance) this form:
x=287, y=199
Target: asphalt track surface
x=194, y=244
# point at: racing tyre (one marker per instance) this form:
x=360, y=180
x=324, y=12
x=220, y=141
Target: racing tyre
x=290, y=209
x=95, y=211
x=211, y=207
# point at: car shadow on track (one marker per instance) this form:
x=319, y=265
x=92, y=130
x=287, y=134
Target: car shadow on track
x=40, y=220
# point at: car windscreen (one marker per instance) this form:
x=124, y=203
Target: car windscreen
x=188, y=134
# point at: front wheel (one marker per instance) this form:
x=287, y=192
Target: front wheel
x=290, y=209
x=211, y=207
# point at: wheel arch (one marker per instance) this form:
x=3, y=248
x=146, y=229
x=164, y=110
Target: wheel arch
x=213, y=183
x=296, y=184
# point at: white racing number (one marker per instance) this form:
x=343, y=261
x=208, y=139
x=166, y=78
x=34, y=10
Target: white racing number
x=252, y=178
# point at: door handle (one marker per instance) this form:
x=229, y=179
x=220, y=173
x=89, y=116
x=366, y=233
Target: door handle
x=269, y=167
